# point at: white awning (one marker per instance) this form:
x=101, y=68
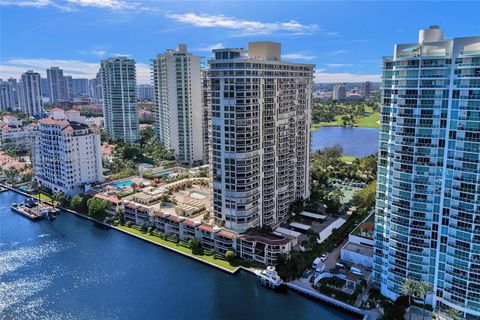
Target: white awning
x=313, y=215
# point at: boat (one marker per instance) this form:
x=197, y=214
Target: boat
x=25, y=211
x=32, y=209
x=270, y=278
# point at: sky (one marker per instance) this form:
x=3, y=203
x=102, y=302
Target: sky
x=344, y=39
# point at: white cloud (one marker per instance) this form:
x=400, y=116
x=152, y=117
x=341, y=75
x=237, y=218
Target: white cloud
x=32, y=3
x=335, y=65
x=298, y=56
x=210, y=47
x=14, y=68
x=244, y=27
x=109, y=4
x=324, y=77
x=94, y=52
x=336, y=52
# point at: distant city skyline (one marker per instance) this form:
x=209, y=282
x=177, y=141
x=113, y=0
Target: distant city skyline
x=343, y=39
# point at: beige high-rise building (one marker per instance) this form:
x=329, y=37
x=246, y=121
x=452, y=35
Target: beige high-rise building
x=261, y=113
x=178, y=103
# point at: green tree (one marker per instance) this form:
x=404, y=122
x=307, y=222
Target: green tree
x=61, y=198
x=410, y=288
x=229, y=255
x=424, y=289
x=97, y=208
x=455, y=314
x=77, y=203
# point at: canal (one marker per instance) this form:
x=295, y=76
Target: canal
x=72, y=269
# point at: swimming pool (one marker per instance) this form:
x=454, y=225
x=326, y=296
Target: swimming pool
x=163, y=174
x=123, y=184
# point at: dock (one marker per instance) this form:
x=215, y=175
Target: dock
x=26, y=212
x=339, y=304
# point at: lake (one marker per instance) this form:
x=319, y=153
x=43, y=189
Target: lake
x=357, y=142
x=72, y=269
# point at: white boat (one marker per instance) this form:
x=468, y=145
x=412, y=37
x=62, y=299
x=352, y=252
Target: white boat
x=270, y=279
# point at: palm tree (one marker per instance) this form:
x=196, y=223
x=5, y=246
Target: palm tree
x=409, y=288
x=424, y=289
x=455, y=314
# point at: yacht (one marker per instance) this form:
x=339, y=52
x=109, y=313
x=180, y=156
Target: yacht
x=270, y=279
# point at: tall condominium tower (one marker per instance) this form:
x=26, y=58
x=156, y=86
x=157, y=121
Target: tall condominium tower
x=428, y=191
x=69, y=90
x=119, y=93
x=16, y=93
x=178, y=109
x=7, y=96
x=261, y=113
x=66, y=152
x=339, y=92
x=56, y=84
x=206, y=117
x=95, y=87
x=31, y=94
x=80, y=87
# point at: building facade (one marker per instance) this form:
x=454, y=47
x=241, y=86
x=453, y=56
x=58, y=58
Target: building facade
x=261, y=114
x=206, y=117
x=7, y=96
x=119, y=96
x=56, y=84
x=145, y=92
x=178, y=110
x=31, y=94
x=66, y=153
x=428, y=186
x=340, y=92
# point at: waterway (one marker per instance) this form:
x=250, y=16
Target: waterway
x=72, y=269
x=357, y=142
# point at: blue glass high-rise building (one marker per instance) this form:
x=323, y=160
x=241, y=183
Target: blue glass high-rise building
x=428, y=191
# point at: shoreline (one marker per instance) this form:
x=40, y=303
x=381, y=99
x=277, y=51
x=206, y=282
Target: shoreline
x=235, y=270
x=307, y=293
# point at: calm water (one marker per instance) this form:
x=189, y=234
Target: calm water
x=357, y=142
x=70, y=269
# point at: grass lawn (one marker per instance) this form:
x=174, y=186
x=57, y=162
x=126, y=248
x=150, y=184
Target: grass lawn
x=347, y=159
x=371, y=120
x=221, y=263
x=44, y=197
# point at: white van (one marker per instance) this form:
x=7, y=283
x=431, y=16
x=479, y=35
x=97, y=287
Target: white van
x=356, y=271
x=316, y=262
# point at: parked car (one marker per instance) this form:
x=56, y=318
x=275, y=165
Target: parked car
x=324, y=257
x=340, y=265
x=356, y=271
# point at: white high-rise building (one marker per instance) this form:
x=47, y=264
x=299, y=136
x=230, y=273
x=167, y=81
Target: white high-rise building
x=69, y=90
x=340, y=92
x=56, y=84
x=145, y=92
x=428, y=187
x=7, y=96
x=119, y=95
x=31, y=94
x=80, y=87
x=261, y=113
x=178, y=109
x=66, y=153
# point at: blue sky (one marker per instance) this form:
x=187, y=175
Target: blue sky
x=345, y=40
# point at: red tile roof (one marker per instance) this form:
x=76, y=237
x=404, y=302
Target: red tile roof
x=159, y=214
x=189, y=222
x=173, y=218
x=205, y=227
x=226, y=234
x=111, y=199
x=50, y=121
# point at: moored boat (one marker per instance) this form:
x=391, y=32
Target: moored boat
x=270, y=278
